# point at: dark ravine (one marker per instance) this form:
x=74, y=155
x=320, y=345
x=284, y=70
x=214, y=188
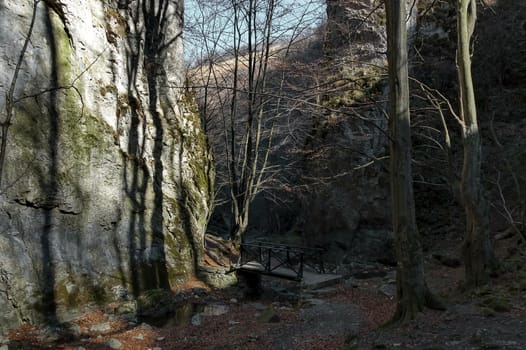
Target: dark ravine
x=98, y=158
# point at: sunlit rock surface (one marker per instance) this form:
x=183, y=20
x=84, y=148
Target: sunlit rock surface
x=107, y=179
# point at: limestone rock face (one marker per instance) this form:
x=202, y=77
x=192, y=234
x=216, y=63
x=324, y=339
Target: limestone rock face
x=356, y=29
x=107, y=179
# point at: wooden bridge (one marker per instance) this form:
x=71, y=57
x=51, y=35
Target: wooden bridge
x=298, y=263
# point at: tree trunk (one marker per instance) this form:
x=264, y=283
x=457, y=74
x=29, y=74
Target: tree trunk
x=240, y=216
x=412, y=291
x=247, y=164
x=477, y=248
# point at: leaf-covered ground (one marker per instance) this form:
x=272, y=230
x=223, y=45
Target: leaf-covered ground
x=346, y=316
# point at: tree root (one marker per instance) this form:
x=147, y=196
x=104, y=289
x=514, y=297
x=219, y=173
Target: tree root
x=409, y=312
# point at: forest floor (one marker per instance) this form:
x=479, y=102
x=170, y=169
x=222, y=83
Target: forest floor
x=348, y=315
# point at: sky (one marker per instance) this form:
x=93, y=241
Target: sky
x=213, y=19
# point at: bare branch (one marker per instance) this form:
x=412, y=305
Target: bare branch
x=10, y=103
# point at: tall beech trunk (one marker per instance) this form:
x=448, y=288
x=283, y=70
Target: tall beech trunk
x=412, y=291
x=477, y=249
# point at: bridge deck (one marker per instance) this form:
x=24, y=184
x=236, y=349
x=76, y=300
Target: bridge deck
x=310, y=278
x=257, y=267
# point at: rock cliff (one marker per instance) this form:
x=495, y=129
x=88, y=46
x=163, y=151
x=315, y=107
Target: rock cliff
x=107, y=178
x=351, y=210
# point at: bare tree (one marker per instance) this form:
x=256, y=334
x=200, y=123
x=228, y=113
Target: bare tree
x=412, y=291
x=477, y=249
x=241, y=95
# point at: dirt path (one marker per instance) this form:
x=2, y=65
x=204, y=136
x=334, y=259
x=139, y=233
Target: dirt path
x=345, y=316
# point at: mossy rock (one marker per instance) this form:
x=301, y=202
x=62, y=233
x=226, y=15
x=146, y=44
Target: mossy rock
x=68, y=293
x=217, y=277
x=488, y=312
x=156, y=303
x=497, y=303
x=351, y=342
x=482, y=291
x=128, y=307
x=268, y=316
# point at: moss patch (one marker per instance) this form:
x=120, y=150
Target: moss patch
x=107, y=89
x=201, y=164
x=356, y=86
x=497, y=303
x=155, y=303
x=178, y=249
x=115, y=25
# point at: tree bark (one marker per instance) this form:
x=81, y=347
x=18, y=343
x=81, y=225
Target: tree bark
x=240, y=216
x=477, y=247
x=412, y=291
x=248, y=162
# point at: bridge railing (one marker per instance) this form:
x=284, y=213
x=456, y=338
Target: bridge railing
x=274, y=256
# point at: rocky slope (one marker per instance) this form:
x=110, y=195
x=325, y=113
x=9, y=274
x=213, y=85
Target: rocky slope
x=349, y=210
x=107, y=178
